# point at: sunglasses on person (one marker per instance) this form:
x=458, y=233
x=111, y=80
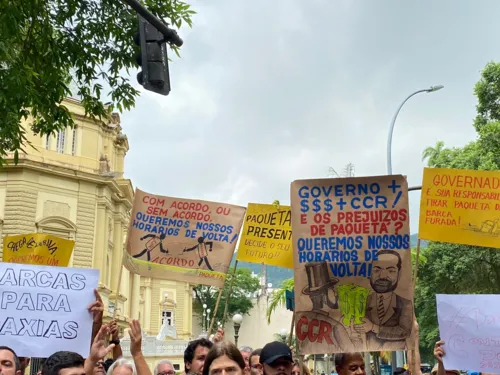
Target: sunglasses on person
x=99, y=364
x=167, y=373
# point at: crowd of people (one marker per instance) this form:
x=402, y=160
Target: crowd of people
x=201, y=357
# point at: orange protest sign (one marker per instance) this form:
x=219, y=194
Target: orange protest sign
x=37, y=248
x=460, y=206
x=182, y=239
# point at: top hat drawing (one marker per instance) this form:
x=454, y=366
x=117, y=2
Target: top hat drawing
x=319, y=280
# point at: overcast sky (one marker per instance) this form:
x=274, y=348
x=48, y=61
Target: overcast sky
x=267, y=92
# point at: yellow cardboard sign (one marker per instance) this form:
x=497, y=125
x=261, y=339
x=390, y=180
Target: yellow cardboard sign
x=460, y=206
x=267, y=236
x=37, y=248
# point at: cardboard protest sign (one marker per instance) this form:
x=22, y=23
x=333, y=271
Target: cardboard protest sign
x=352, y=264
x=460, y=206
x=182, y=239
x=37, y=248
x=267, y=236
x=470, y=327
x=44, y=309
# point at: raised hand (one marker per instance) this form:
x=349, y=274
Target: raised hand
x=96, y=308
x=113, y=329
x=99, y=350
x=439, y=352
x=135, y=338
x=219, y=336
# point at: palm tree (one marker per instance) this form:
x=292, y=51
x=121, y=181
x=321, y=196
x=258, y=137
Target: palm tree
x=278, y=297
x=432, y=153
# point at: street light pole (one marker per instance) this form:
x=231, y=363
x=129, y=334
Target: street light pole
x=393, y=122
x=237, y=319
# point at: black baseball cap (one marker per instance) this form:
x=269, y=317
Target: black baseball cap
x=273, y=351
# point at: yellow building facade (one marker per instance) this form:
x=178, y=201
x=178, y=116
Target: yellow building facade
x=71, y=185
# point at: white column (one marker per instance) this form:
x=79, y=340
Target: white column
x=68, y=141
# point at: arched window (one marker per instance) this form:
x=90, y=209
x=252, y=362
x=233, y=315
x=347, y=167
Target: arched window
x=58, y=226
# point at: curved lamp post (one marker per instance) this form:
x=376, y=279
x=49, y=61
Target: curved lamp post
x=391, y=129
x=237, y=319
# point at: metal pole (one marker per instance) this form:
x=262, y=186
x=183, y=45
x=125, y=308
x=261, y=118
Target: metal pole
x=236, y=333
x=169, y=34
x=391, y=130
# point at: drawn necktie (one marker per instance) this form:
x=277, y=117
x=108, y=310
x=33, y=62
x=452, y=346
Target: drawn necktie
x=381, y=310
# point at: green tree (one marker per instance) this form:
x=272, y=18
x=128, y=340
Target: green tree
x=432, y=153
x=240, y=302
x=460, y=269
x=487, y=91
x=47, y=44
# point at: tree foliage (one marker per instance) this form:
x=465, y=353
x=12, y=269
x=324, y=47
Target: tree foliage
x=45, y=45
x=487, y=91
x=240, y=301
x=461, y=269
x=278, y=297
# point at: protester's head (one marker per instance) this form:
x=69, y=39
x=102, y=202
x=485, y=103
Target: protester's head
x=99, y=367
x=399, y=371
x=64, y=363
x=296, y=369
x=122, y=366
x=350, y=364
x=385, y=271
x=254, y=363
x=195, y=355
x=42, y=362
x=107, y=364
x=164, y=367
x=448, y=372
x=224, y=357
x=24, y=361
x=276, y=359
x=9, y=362
x=245, y=353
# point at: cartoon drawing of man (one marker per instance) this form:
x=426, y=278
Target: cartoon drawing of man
x=389, y=317
x=152, y=244
x=202, y=251
x=321, y=290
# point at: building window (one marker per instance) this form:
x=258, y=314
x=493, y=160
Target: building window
x=73, y=143
x=168, y=316
x=61, y=138
x=47, y=142
x=177, y=367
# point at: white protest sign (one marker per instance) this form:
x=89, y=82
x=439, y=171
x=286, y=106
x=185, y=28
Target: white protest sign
x=469, y=324
x=44, y=309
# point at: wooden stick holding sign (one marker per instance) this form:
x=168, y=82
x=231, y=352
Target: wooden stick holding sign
x=118, y=287
x=290, y=338
x=228, y=293
x=215, y=312
x=415, y=269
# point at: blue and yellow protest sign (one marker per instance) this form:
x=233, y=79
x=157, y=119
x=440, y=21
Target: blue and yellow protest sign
x=267, y=236
x=37, y=248
x=352, y=264
x=460, y=206
x=182, y=239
